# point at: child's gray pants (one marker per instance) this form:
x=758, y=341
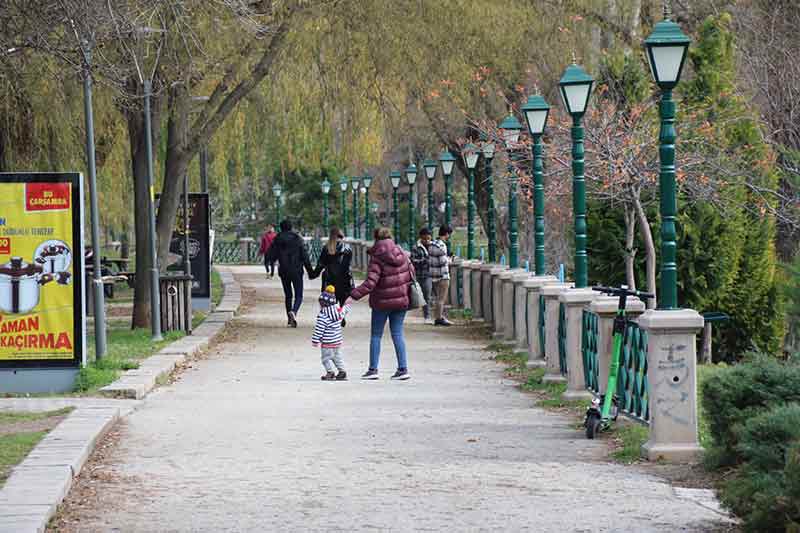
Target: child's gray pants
x=332, y=359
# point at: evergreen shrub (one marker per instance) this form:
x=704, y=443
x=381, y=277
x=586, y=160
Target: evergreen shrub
x=734, y=396
x=765, y=491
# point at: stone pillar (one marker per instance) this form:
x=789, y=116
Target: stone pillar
x=455, y=271
x=576, y=300
x=486, y=291
x=509, y=329
x=496, y=293
x=502, y=320
x=532, y=287
x=244, y=249
x=605, y=307
x=551, y=294
x=520, y=309
x=466, y=282
x=475, y=290
x=672, y=378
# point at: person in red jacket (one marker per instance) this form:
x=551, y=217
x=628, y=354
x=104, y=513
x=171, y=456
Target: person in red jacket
x=266, y=243
x=388, y=278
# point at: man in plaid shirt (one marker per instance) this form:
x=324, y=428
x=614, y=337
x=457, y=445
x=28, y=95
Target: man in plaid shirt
x=439, y=261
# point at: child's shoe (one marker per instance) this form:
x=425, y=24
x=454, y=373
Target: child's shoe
x=330, y=376
x=341, y=376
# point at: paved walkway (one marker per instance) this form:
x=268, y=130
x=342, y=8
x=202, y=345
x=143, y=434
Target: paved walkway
x=251, y=440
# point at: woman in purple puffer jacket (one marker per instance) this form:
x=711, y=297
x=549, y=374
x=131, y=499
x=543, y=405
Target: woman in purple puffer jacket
x=388, y=277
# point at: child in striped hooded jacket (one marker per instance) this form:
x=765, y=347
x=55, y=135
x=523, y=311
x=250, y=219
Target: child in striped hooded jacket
x=328, y=334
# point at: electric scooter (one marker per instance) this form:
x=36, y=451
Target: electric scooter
x=604, y=409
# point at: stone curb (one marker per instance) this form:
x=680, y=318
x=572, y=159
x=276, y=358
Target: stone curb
x=37, y=485
x=137, y=383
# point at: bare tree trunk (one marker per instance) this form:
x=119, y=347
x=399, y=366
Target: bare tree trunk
x=650, y=248
x=630, y=251
x=136, y=136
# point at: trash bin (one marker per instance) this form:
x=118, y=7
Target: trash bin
x=176, y=302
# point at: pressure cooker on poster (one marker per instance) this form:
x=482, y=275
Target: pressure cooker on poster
x=20, y=283
x=54, y=258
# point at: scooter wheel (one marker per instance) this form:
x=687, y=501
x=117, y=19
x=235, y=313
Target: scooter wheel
x=593, y=427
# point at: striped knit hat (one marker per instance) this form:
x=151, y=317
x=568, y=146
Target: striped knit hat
x=328, y=296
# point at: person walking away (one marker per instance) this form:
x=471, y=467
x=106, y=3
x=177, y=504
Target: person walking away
x=421, y=261
x=328, y=334
x=334, y=265
x=388, y=277
x=266, y=242
x=440, y=274
x=289, y=250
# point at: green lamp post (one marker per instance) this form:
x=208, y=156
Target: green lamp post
x=430, y=172
x=367, y=181
x=343, y=187
x=536, y=111
x=666, y=54
x=488, y=149
x=448, y=161
x=277, y=190
x=395, y=178
x=511, y=128
x=374, y=210
x=356, y=230
x=411, y=177
x=471, y=154
x=576, y=87
x=326, y=188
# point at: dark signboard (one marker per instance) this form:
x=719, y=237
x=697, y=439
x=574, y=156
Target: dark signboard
x=42, y=318
x=199, y=245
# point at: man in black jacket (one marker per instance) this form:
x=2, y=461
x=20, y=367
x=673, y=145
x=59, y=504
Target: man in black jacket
x=289, y=250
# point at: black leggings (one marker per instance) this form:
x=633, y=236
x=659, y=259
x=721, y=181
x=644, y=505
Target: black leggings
x=293, y=282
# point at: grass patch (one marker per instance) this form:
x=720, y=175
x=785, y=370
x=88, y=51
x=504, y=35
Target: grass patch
x=126, y=347
x=10, y=417
x=630, y=437
x=14, y=448
x=217, y=289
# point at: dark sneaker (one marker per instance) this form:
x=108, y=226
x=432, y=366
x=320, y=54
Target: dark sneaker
x=442, y=322
x=292, y=319
x=401, y=374
x=341, y=376
x=330, y=376
x=371, y=373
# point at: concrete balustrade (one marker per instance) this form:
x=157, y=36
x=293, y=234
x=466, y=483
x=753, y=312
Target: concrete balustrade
x=455, y=272
x=475, y=290
x=486, y=292
x=532, y=288
x=575, y=301
x=551, y=295
x=501, y=318
x=672, y=380
x=508, y=304
x=520, y=309
x=466, y=283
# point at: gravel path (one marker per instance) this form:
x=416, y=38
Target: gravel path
x=251, y=440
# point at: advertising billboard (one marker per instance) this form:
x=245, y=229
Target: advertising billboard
x=41, y=270
x=199, y=245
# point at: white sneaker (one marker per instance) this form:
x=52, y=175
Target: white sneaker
x=428, y=320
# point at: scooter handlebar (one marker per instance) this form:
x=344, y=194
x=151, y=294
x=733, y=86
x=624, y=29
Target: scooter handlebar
x=623, y=291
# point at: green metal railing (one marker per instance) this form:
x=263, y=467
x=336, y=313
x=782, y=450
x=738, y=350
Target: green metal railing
x=562, y=338
x=633, y=392
x=541, y=326
x=314, y=250
x=227, y=253
x=591, y=364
